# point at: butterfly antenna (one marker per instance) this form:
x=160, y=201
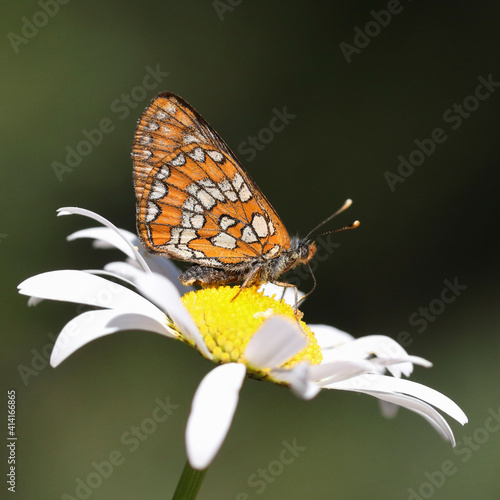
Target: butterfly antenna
x=344, y=207
x=354, y=225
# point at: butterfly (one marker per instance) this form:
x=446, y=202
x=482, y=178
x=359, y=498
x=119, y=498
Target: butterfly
x=196, y=203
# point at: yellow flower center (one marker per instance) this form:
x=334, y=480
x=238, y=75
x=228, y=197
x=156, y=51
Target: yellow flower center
x=229, y=316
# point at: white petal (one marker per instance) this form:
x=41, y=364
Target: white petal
x=33, y=301
x=167, y=268
x=388, y=410
x=85, y=288
x=212, y=412
x=125, y=270
x=335, y=371
x=421, y=408
x=299, y=380
x=329, y=337
x=379, y=345
x=108, y=238
x=108, y=224
x=163, y=292
x=279, y=292
x=110, y=274
x=275, y=342
x=130, y=271
x=402, y=365
x=92, y=325
x=383, y=384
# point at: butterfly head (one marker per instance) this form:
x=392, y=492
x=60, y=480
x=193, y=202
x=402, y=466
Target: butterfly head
x=306, y=250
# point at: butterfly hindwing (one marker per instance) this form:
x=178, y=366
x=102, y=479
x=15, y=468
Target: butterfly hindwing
x=194, y=200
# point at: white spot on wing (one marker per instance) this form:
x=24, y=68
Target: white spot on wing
x=248, y=235
x=212, y=262
x=178, y=161
x=206, y=200
x=186, y=219
x=144, y=154
x=273, y=252
x=228, y=191
x=241, y=188
x=160, y=115
x=159, y=190
x=216, y=156
x=226, y=222
x=272, y=229
x=197, y=154
x=189, y=139
x=245, y=193
x=164, y=173
x=192, y=205
x=181, y=251
x=209, y=185
x=237, y=181
x=181, y=236
x=197, y=221
x=153, y=211
x=231, y=196
x=224, y=240
x=187, y=235
x=175, y=235
x=152, y=126
x=206, y=183
x=260, y=225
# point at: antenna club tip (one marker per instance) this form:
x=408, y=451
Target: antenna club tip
x=355, y=224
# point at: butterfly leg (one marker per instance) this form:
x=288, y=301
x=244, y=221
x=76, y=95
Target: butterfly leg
x=252, y=276
x=296, y=295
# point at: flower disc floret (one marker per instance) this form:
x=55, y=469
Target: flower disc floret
x=228, y=317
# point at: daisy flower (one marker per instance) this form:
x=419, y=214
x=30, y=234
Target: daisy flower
x=254, y=335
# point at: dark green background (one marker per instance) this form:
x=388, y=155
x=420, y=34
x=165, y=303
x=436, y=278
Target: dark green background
x=352, y=122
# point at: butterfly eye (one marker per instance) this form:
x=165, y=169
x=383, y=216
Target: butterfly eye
x=307, y=250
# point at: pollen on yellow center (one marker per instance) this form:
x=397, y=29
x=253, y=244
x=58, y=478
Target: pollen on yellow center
x=228, y=323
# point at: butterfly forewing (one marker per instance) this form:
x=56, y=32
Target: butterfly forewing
x=194, y=200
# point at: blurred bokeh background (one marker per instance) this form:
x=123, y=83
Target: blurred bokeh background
x=359, y=103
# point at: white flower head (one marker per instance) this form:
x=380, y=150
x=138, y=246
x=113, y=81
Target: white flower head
x=252, y=335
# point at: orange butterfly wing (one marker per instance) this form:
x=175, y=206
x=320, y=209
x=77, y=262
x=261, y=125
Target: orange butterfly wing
x=194, y=200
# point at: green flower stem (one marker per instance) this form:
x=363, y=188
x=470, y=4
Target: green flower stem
x=189, y=483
